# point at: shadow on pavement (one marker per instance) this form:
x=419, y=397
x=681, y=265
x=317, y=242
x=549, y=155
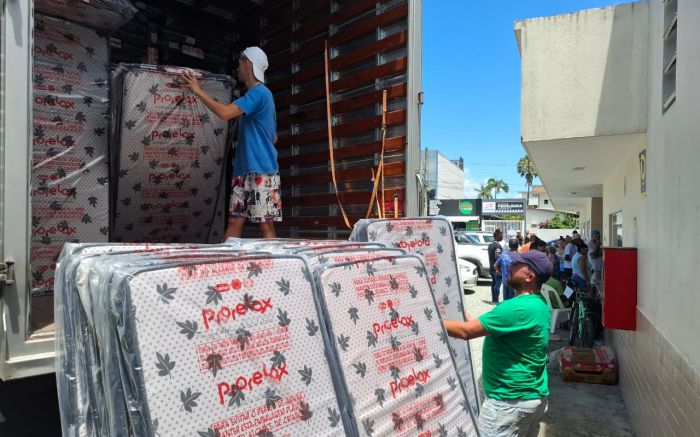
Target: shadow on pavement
x=30, y=407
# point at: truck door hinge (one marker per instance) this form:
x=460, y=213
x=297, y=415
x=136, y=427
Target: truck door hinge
x=7, y=272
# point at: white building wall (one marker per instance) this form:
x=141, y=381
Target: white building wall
x=672, y=208
x=590, y=67
x=450, y=179
x=536, y=216
x=660, y=361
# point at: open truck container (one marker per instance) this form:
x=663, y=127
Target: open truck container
x=374, y=45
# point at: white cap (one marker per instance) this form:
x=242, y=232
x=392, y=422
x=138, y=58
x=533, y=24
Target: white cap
x=259, y=60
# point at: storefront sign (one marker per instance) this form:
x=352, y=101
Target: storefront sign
x=515, y=206
x=456, y=207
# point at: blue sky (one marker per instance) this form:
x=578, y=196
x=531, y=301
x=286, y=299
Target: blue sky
x=471, y=82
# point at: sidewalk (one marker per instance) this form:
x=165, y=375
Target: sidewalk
x=575, y=409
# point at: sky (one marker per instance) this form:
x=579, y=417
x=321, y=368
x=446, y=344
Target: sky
x=471, y=83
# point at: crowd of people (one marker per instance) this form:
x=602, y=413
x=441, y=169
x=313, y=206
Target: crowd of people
x=573, y=260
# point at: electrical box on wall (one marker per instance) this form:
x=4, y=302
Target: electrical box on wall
x=620, y=288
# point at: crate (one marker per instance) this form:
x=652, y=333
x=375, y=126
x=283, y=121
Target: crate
x=596, y=365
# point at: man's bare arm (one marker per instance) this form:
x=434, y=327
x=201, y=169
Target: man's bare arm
x=465, y=330
x=225, y=112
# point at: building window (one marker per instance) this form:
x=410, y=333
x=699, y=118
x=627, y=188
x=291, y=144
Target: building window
x=546, y=201
x=668, y=92
x=616, y=229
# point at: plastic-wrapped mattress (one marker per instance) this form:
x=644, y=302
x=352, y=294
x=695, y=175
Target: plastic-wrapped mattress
x=392, y=348
x=99, y=14
x=79, y=374
x=70, y=184
x=433, y=239
x=232, y=345
x=168, y=157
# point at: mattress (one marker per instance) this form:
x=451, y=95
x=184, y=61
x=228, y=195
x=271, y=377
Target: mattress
x=392, y=349
x=83, y=410
x=431, y=238
x=252, y=365
x=99, y=14
x=169, y=155
x=70, y=184
x=334, y=255
x=244, y=354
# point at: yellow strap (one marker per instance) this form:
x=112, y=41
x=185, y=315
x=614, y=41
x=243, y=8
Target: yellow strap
x=380, y=168
x=330, y=134
x=396, y=204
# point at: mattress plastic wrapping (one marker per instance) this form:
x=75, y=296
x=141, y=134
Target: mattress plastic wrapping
x=392, y=348
x=195, y=342
x=168, y=157
x=431, y=238
x=104, y=15
x=78, y=377
x=70, y=184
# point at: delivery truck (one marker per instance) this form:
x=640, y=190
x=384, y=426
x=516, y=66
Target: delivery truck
x=373, y=46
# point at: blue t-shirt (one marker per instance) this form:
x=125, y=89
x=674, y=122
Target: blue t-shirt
x=255, y=151
x=504, y=261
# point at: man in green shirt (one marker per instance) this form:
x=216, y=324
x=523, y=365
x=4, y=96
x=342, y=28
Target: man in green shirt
x=515, y=351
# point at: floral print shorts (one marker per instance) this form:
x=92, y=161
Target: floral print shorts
x=256, y=197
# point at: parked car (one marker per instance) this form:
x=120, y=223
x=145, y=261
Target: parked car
x=468, y=274
x=482, y=237
x=476, y=253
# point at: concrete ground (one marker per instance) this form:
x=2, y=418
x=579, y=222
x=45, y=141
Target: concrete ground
x=575, y=409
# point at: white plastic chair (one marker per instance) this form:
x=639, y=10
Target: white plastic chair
x=547, y=292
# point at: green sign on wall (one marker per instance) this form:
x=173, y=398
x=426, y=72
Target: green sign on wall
x=466, y=207
x=473, y=225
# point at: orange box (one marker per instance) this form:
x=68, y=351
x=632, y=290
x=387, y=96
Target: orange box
x=593, y=366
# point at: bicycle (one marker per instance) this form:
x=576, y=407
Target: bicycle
x=584, y=316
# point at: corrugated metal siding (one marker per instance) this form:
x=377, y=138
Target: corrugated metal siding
x=368, y=53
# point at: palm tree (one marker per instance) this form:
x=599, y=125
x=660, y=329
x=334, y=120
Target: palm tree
x=497, y=185
x=526, y=169
x=484, y=192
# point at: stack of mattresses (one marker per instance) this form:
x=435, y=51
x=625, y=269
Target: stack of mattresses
x=168, y=157
x=99, y=14
x=392, y=348
x=386, y=288
x=70, y=189
x=193, y=341
x=433, y=240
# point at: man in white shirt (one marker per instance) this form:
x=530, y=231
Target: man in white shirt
x=595, y=258
x=569, y=252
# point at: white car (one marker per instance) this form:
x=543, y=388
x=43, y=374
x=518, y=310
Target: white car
x=481, y=237
x=477, y=254
x=468, y=274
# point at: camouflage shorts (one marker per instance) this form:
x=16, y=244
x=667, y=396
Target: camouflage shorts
x=256, y=197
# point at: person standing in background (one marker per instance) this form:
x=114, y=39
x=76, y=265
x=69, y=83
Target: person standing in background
x=256, y=193
x=494, y=251
x=502, y=265
x=595, y=258
x=569, y=252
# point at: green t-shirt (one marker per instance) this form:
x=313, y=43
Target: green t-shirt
x=515, y=349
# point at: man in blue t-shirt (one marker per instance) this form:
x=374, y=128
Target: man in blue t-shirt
x=502, y=265
x=256, y=180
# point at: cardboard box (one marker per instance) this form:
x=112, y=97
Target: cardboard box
x=594, y=366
